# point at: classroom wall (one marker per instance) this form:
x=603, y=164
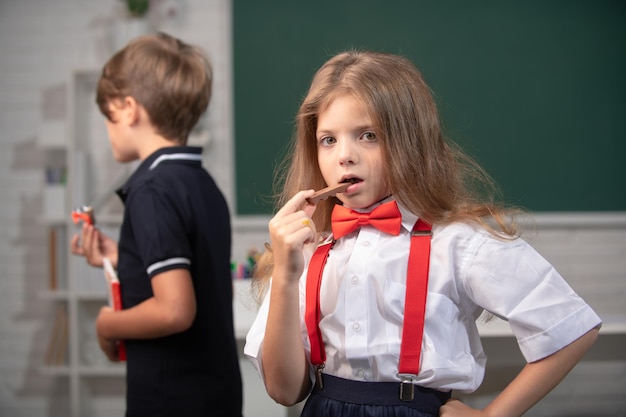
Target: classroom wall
x=41, y=42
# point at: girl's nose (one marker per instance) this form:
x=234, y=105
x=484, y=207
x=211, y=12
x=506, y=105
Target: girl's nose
x=347, y=153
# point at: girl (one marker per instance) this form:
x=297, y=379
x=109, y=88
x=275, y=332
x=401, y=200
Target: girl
x=337, y=323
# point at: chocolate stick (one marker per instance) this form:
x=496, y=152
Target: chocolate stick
x=324, y=193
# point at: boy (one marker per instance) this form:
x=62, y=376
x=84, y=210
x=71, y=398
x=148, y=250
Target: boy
x=173, y=258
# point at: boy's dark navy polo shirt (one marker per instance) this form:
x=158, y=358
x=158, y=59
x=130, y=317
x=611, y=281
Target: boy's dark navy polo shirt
x=176, y=217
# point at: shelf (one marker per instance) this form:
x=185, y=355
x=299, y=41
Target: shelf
x=92, y=296
x=79, y=167
x=54, y=295
x=63, y=370
x=110, y=219
x=112, y=370
x=54, y=220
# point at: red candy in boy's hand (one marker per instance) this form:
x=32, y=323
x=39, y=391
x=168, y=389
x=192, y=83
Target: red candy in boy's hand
x=84, y=214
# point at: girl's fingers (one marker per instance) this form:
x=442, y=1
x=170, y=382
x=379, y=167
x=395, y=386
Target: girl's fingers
x=307, y=225
x=295, y=203
x=291, y=217
x=289, y=226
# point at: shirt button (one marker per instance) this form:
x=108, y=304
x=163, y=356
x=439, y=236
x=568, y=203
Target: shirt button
x=365, y=243
x=356, y=327
x=354, y=280
x=360, y=373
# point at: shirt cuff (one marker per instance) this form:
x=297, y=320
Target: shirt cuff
x=560, y=335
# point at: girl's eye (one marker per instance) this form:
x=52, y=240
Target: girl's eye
x=369, y=136
x=327, y=140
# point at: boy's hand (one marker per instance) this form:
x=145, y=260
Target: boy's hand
x=110, y=349
x=94, y=245
x=108, y=346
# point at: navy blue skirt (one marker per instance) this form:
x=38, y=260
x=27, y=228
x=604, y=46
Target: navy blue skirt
x=347, y=398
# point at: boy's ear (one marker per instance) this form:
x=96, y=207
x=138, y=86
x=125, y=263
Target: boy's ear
x=131, y=110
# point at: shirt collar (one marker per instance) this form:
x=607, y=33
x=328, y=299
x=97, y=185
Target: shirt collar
x=185, y=154
x=189, y=153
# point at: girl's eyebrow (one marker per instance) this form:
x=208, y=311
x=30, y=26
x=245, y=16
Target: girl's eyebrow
x=360, y=128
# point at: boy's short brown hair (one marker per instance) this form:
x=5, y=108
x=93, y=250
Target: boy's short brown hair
x=167, y=77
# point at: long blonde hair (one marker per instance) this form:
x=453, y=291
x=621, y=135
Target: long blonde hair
x=429, y=175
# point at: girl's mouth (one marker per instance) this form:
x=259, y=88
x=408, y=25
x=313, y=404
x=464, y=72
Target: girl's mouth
x=351, y=181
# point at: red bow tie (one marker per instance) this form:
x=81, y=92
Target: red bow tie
x=386, y=218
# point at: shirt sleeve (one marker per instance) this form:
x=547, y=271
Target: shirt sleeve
x=256, y=334
x=159, y=227
x=513, y=281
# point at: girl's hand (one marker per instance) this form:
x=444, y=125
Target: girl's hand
x=290, y=229
x=455, y=408
x=94, y=245
x=108, y=346
x=533, y=382
x=285, y=364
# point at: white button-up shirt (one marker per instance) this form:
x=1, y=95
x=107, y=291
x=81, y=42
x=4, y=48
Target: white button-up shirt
x=363, y=293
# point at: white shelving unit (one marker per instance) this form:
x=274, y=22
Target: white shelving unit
x=80, y=145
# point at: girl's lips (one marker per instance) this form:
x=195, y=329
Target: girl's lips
x=353, y=187
x=354, y=184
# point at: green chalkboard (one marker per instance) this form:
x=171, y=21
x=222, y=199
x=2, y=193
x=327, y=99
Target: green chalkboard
x=535, y=90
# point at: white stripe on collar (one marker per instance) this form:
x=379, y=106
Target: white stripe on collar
x=178, y=156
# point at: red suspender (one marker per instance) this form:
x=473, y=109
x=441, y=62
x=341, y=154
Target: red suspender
x=415, y=299
x=414, y=307
x=312, y=314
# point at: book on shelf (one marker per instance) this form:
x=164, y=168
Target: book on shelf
x=115, y=297
x=57, y=262
x=57, y=347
